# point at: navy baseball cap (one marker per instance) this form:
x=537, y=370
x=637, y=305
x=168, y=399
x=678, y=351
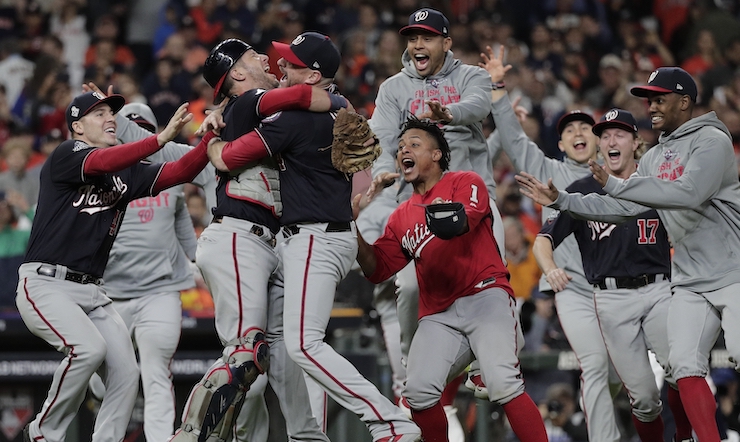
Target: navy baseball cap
x=83, y=104
x=666, y=80
x=618, y=118
x=427, y=19
x=575, y=115
x=311, y=50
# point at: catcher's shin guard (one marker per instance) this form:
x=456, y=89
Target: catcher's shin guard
x=216, y=399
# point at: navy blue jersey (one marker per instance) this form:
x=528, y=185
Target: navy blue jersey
x=637, y=247
x=311, y=188
x=78, y=216
x=242, y=116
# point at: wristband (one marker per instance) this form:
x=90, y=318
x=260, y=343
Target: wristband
x=498, y=85
x=337, y=102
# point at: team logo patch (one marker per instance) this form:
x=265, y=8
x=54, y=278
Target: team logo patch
x=434, y=83
x=668, y=154
x=16, y=411
x=74, y=111
x=298, y=40
x=612, y=114
x=421, y=15
x=652, y=76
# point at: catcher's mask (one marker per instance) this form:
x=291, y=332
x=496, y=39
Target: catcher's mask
x=446, y=220
x=221, y=59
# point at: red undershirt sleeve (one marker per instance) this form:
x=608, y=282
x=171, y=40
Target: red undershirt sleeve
x=186, y=168
x=115, y=158
x=291, y=98
x=245, y=149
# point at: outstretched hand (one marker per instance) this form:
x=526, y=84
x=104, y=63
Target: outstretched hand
x=92, y=87
x=214, y=121
x=175, y=125
x=437, y=112
x=494, y=64
x=379, y=183
x=599, y=172
x=533, y=189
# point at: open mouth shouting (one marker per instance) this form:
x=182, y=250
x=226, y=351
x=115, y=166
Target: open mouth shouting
x=421, y=61
x=407, y=165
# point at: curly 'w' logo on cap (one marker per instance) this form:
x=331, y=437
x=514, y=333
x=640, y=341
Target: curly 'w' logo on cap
x=298, y=40
x=421, y=15
x=612, y=114
x=652, y=76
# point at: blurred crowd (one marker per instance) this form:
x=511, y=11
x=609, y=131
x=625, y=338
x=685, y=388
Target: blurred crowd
x=566, y=55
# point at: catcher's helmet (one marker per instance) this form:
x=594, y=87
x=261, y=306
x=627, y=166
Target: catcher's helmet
x=220, y=61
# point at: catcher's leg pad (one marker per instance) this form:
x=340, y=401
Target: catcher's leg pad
x=219, y=394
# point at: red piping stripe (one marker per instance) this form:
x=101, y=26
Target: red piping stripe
x=315, y=362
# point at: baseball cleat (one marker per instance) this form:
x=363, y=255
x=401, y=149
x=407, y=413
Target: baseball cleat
x=455, y=432
x=409, y=437
x=475, y=384
x=403, y=404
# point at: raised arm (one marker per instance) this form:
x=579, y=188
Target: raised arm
x=700, y=179
x=386, y=124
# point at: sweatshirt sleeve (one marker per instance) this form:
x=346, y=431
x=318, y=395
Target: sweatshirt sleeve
x=700, y=179
x=523, y=152
x=475, y=98
x=597, y=207
x=386, y=124
x=184, y=229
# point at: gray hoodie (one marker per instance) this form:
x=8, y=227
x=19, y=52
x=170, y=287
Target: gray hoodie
x=691, y=178
x=528, y=157
x=465, y=90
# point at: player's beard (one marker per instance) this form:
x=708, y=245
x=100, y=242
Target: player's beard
x=263, y=80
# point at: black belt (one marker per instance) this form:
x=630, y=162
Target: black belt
x=627, y=282
x=334, y=226
x=78, y=277
x=255, y=229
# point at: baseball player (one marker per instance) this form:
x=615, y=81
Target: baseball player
x=461, y=313
x=629, y=267
x=243, y=230
x=147, y=267
x=432, y=84
x=85, y=191
x=690, y=178
x=574, y=303
x=320, y=243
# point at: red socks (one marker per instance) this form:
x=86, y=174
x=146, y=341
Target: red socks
x=700, y=407
x=649, y=431
x=450, y=391
x=525, y=419
x=683, y=426
x=433, y=423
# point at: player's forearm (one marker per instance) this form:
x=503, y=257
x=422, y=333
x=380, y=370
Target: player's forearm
x=597, y=207
x=116, y=158
x=186, y=168
x=300, y=97
x=474, y=104
x=366, y=256
x=242, y=151
x=683, y=193
x=543, y=254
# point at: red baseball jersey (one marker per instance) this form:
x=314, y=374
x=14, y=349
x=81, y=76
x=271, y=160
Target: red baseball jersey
x=446, y=269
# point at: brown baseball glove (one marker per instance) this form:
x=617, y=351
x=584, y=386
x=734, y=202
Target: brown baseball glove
x=351, y=150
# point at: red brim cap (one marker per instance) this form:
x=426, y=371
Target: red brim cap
x=217, y=98
x=406, y=29
x=643, y=91
x=284, y=50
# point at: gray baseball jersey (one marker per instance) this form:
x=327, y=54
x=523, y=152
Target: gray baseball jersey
x=574, y=304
